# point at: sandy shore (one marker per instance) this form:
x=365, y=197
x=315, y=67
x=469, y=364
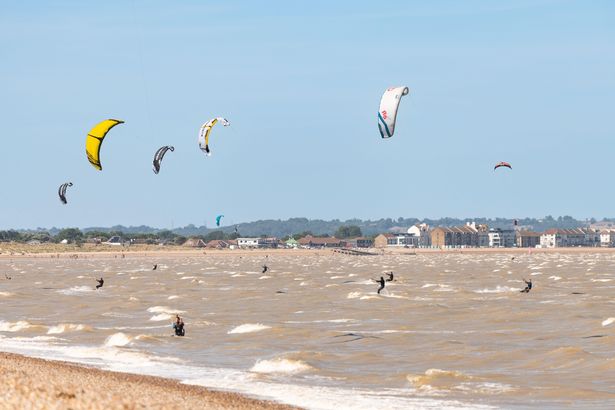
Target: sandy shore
x=18, y=251
x=28, y=383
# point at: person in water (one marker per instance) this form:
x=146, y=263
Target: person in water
x=265, y=268
x=528, y=286
x=155, y=267
x=101, y=282
x=381, y=281
x=178, y=326
x=390, y=279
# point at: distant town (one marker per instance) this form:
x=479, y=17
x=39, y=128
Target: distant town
x=418, y=235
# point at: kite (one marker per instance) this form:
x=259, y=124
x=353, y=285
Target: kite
x=160, y=155
x=387, y=115
x=218, y=218
x=206, y=130
x=62, y=192
x=95, y=138
x=502, y=164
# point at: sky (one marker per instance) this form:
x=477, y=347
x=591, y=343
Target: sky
x=527, y=82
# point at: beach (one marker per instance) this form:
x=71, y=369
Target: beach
x=29, y=383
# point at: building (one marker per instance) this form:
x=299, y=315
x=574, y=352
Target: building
x=558, y=238
x=115, y=241
x=291, y=243
x=396, y=240
x=501, y=238
x=527, y=239
x=327, y=242
x=466, y=236
x=607, y=238
x=361, y=242
x=248, y=242
x=221, y=244
x=421, y=231
x=194, y=243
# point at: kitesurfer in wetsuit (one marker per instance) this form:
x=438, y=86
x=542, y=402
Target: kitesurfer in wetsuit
x=155, y=267
x=100, y=281
x=179, y=326
x=381, y=281
x=265, y=268
x=528, y=286
x=390, y=279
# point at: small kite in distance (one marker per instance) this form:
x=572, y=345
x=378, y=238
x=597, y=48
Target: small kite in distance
x=62, y=192
x=502, y=164
x=160, y=155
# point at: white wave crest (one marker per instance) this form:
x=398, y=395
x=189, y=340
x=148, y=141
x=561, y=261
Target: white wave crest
x=608, y=321
x=117, y=339
x=65, y=327
x=498, y=289
x=248, y=328
x=286, y=366
x=161, y=316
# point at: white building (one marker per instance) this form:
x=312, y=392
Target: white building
x=249, y=242
x=607, y=238
x=557, y=238
x=421, y=232
x=502, y=238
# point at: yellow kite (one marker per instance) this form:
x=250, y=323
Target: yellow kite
x=95, y=138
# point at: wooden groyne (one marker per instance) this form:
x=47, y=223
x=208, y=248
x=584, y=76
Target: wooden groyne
x=354, y=252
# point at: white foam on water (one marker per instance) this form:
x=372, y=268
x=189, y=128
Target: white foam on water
x=354, y=295
x=172, y=297
x=15, y=326
x=281, y=365
x=265, y=277
x=164, y=309
x=248, y=328
x=117, y=339
x=76, y=290
x=66, y=327
x=555, y=277
x=608, y=321
x=6, y=294
x=601, y=280
x=535, y=273
x=161, y=316
x=498, y=289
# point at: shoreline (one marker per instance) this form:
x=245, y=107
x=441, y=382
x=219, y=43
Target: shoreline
x=61, y=251
x=29, y=382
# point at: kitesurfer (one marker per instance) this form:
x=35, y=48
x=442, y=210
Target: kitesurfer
x=528, y=286
x=101, y=282
x=155, y=267
x=7, y=276
x=265, y=268
x=381, y=282
x=178, y=326
x=390, y=279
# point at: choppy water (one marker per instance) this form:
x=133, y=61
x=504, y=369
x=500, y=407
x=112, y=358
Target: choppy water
x=452, y=331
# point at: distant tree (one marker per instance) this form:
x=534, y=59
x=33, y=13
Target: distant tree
x=212, y=236
x=70, y=234
x=351, y=231
x=166, y=235
x=179, y=240
x=303, y=234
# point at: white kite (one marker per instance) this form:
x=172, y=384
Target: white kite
x=388, y=110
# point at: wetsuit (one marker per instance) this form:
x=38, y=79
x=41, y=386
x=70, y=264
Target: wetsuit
x=100, y=283
x=390, y=279
x=179, y=328
x=155, y=267
x=381, y=281
x=265, y=268
x=528, y=287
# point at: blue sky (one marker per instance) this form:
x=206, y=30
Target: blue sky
x=528, y=82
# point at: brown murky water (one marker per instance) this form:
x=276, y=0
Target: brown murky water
x=452, y=330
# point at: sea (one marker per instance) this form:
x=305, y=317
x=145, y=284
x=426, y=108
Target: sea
x=452, y=331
